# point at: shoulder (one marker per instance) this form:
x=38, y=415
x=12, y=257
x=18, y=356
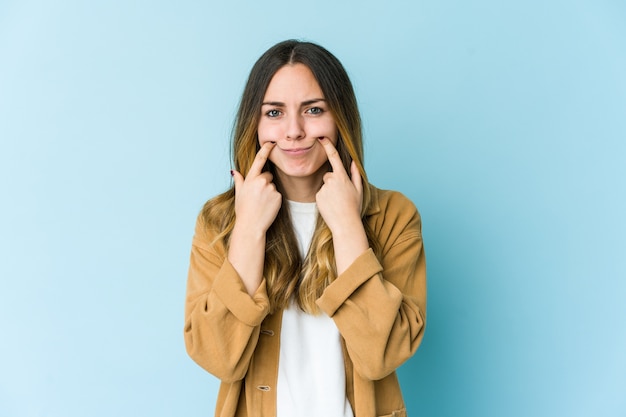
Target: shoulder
x=393, y=216
x=390, y=203
x=391, y=199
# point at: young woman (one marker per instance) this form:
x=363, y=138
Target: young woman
x=307, y=285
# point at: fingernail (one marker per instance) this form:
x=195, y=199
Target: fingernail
x=232, y=174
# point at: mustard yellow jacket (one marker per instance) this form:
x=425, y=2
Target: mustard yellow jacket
x=378, y=305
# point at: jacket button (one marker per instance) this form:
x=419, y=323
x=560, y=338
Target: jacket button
x=263, y=388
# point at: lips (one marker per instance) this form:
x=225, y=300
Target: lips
x=296, y=151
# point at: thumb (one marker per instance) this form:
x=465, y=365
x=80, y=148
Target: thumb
x=237, y=179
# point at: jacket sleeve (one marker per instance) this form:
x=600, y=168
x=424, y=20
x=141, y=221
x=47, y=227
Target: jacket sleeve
x=222, y=321
x=379, y=305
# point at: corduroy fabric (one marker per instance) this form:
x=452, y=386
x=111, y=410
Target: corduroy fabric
x=378, y=305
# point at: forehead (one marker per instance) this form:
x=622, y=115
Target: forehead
x=292, y=83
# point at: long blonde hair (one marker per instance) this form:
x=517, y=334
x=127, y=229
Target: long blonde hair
x=288, y=275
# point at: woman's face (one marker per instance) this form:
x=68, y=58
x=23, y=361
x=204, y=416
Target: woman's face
x=294, y=114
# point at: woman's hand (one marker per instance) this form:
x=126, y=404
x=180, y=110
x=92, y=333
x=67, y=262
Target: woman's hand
x=256, y=200
x=256, y=205
x=339, y=202
x=341, y=196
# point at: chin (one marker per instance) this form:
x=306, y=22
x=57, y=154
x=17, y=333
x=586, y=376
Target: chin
x=300, y=171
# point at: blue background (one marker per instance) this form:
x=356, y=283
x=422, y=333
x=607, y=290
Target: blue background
x=505, y=122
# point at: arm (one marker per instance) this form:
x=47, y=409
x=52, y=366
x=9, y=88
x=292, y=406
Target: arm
x=379, y=305
x=226, y=293
x=256, y=205
x=339, y=201
x=222, y=321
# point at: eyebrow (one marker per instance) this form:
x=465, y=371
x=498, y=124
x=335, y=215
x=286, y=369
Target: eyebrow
x=281, y=104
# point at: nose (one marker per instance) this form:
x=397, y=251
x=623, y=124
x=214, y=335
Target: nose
x=295, y=127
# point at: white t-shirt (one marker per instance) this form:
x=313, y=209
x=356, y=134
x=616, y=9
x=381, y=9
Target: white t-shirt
x=311, y=373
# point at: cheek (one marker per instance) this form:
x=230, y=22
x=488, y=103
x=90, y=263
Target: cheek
x=323, y=128
x=266, y=133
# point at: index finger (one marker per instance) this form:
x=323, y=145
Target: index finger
x=333, y=155
x=261, y=158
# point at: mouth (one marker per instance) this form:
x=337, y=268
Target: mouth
x=296, y=151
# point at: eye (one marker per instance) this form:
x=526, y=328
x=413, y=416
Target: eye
x=315, y=110
x=272, y=113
